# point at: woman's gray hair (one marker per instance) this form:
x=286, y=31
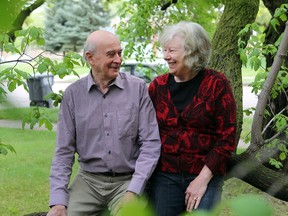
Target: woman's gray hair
x=197, y=46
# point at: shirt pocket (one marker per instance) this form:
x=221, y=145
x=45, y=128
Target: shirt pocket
x=127, y=122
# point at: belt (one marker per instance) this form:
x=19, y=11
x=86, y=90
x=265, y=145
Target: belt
x=114, y=174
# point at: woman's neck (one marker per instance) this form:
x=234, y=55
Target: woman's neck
x=188, y=76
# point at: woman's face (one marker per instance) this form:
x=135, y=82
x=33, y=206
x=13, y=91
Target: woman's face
x=173, y=52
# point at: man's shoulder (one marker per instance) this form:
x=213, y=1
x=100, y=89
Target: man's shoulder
x=77, y=85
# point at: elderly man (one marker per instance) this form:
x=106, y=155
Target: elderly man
x=108, y=120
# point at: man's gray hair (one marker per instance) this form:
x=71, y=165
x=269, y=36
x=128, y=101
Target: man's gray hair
x=197, y=46
x=89, y=46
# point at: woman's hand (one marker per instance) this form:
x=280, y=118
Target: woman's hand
x=197, y=188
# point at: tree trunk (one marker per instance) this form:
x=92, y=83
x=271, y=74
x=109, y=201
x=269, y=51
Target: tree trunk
x=259, y=176
x=237, y=14
x=225, y=58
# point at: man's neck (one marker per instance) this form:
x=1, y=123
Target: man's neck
x=102, y=83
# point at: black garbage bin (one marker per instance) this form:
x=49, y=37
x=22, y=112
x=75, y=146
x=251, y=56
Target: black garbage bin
x=39, y=86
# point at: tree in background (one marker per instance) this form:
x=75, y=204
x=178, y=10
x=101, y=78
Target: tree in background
x=68, y=23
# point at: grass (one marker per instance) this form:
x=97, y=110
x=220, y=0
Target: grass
x=19, y=113
x=24, y=182
x=24, y=176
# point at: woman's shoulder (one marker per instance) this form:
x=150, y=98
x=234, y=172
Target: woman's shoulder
x=214, y=74
x=161, y=79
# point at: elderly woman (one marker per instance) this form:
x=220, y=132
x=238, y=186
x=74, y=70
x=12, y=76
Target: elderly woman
x=196, y=113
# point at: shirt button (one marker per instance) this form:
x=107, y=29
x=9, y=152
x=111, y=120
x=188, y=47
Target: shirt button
x=107, y=134
x=109, y=152
x=106, y=115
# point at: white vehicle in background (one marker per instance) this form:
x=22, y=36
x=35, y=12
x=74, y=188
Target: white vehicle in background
x=144, y=70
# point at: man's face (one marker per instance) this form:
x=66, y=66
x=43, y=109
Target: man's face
x=107, y=58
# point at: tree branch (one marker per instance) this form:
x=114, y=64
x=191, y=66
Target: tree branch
x=271, y=120
x=256, y=135
x=19, y=20
x=168, y=4
x=276, y=135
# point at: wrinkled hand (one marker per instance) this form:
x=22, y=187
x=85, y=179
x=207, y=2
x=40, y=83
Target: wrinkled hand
x=128, y=197
x=194, y=193
x=57, y=210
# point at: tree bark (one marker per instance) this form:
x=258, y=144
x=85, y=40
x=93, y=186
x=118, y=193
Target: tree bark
x=237, y=14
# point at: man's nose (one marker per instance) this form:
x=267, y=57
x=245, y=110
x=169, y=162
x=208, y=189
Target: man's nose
x=118, y=58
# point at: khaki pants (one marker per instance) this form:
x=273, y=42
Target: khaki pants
x=91, y=194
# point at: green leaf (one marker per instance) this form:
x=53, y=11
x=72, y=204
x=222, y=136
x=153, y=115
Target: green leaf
x=3, y=150
x=274, y=22
x=42, y=67
x=22, y=73
x=34, y=32
x=48, y=125
x=283, y=17
x=5, y=147
x=12, y=86
x=9, y=47
x=41, y=42
x=250, y=205
x=282, y=156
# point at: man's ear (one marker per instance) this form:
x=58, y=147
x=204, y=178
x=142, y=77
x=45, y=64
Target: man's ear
x=89, y=56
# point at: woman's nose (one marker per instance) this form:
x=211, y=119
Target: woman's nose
x=166, y=55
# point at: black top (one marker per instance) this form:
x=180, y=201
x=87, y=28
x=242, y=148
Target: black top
x=183, y=92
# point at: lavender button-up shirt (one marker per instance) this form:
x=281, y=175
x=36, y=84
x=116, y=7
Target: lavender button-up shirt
x=116, y=131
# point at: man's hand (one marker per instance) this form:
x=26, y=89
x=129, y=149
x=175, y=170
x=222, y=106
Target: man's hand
x=57, y=210
x=128, y=197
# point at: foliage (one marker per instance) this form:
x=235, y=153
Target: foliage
x=254, y=54
x=4, y=149
x=14, y=77
x=140, y=23
x=18, y=113
x=8, y=11
x=68, y=23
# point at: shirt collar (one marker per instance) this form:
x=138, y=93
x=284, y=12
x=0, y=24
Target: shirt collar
x=119, y=81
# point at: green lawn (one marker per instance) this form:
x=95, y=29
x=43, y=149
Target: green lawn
x=24, y=179
x=19, y=113
x=24, y=182
x=24, y=185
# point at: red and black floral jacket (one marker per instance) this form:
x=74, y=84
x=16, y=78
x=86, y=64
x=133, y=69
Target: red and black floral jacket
x=203, y=133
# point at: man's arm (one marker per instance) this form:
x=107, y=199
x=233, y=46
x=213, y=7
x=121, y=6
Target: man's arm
x=149, y=142
x=64, y=155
